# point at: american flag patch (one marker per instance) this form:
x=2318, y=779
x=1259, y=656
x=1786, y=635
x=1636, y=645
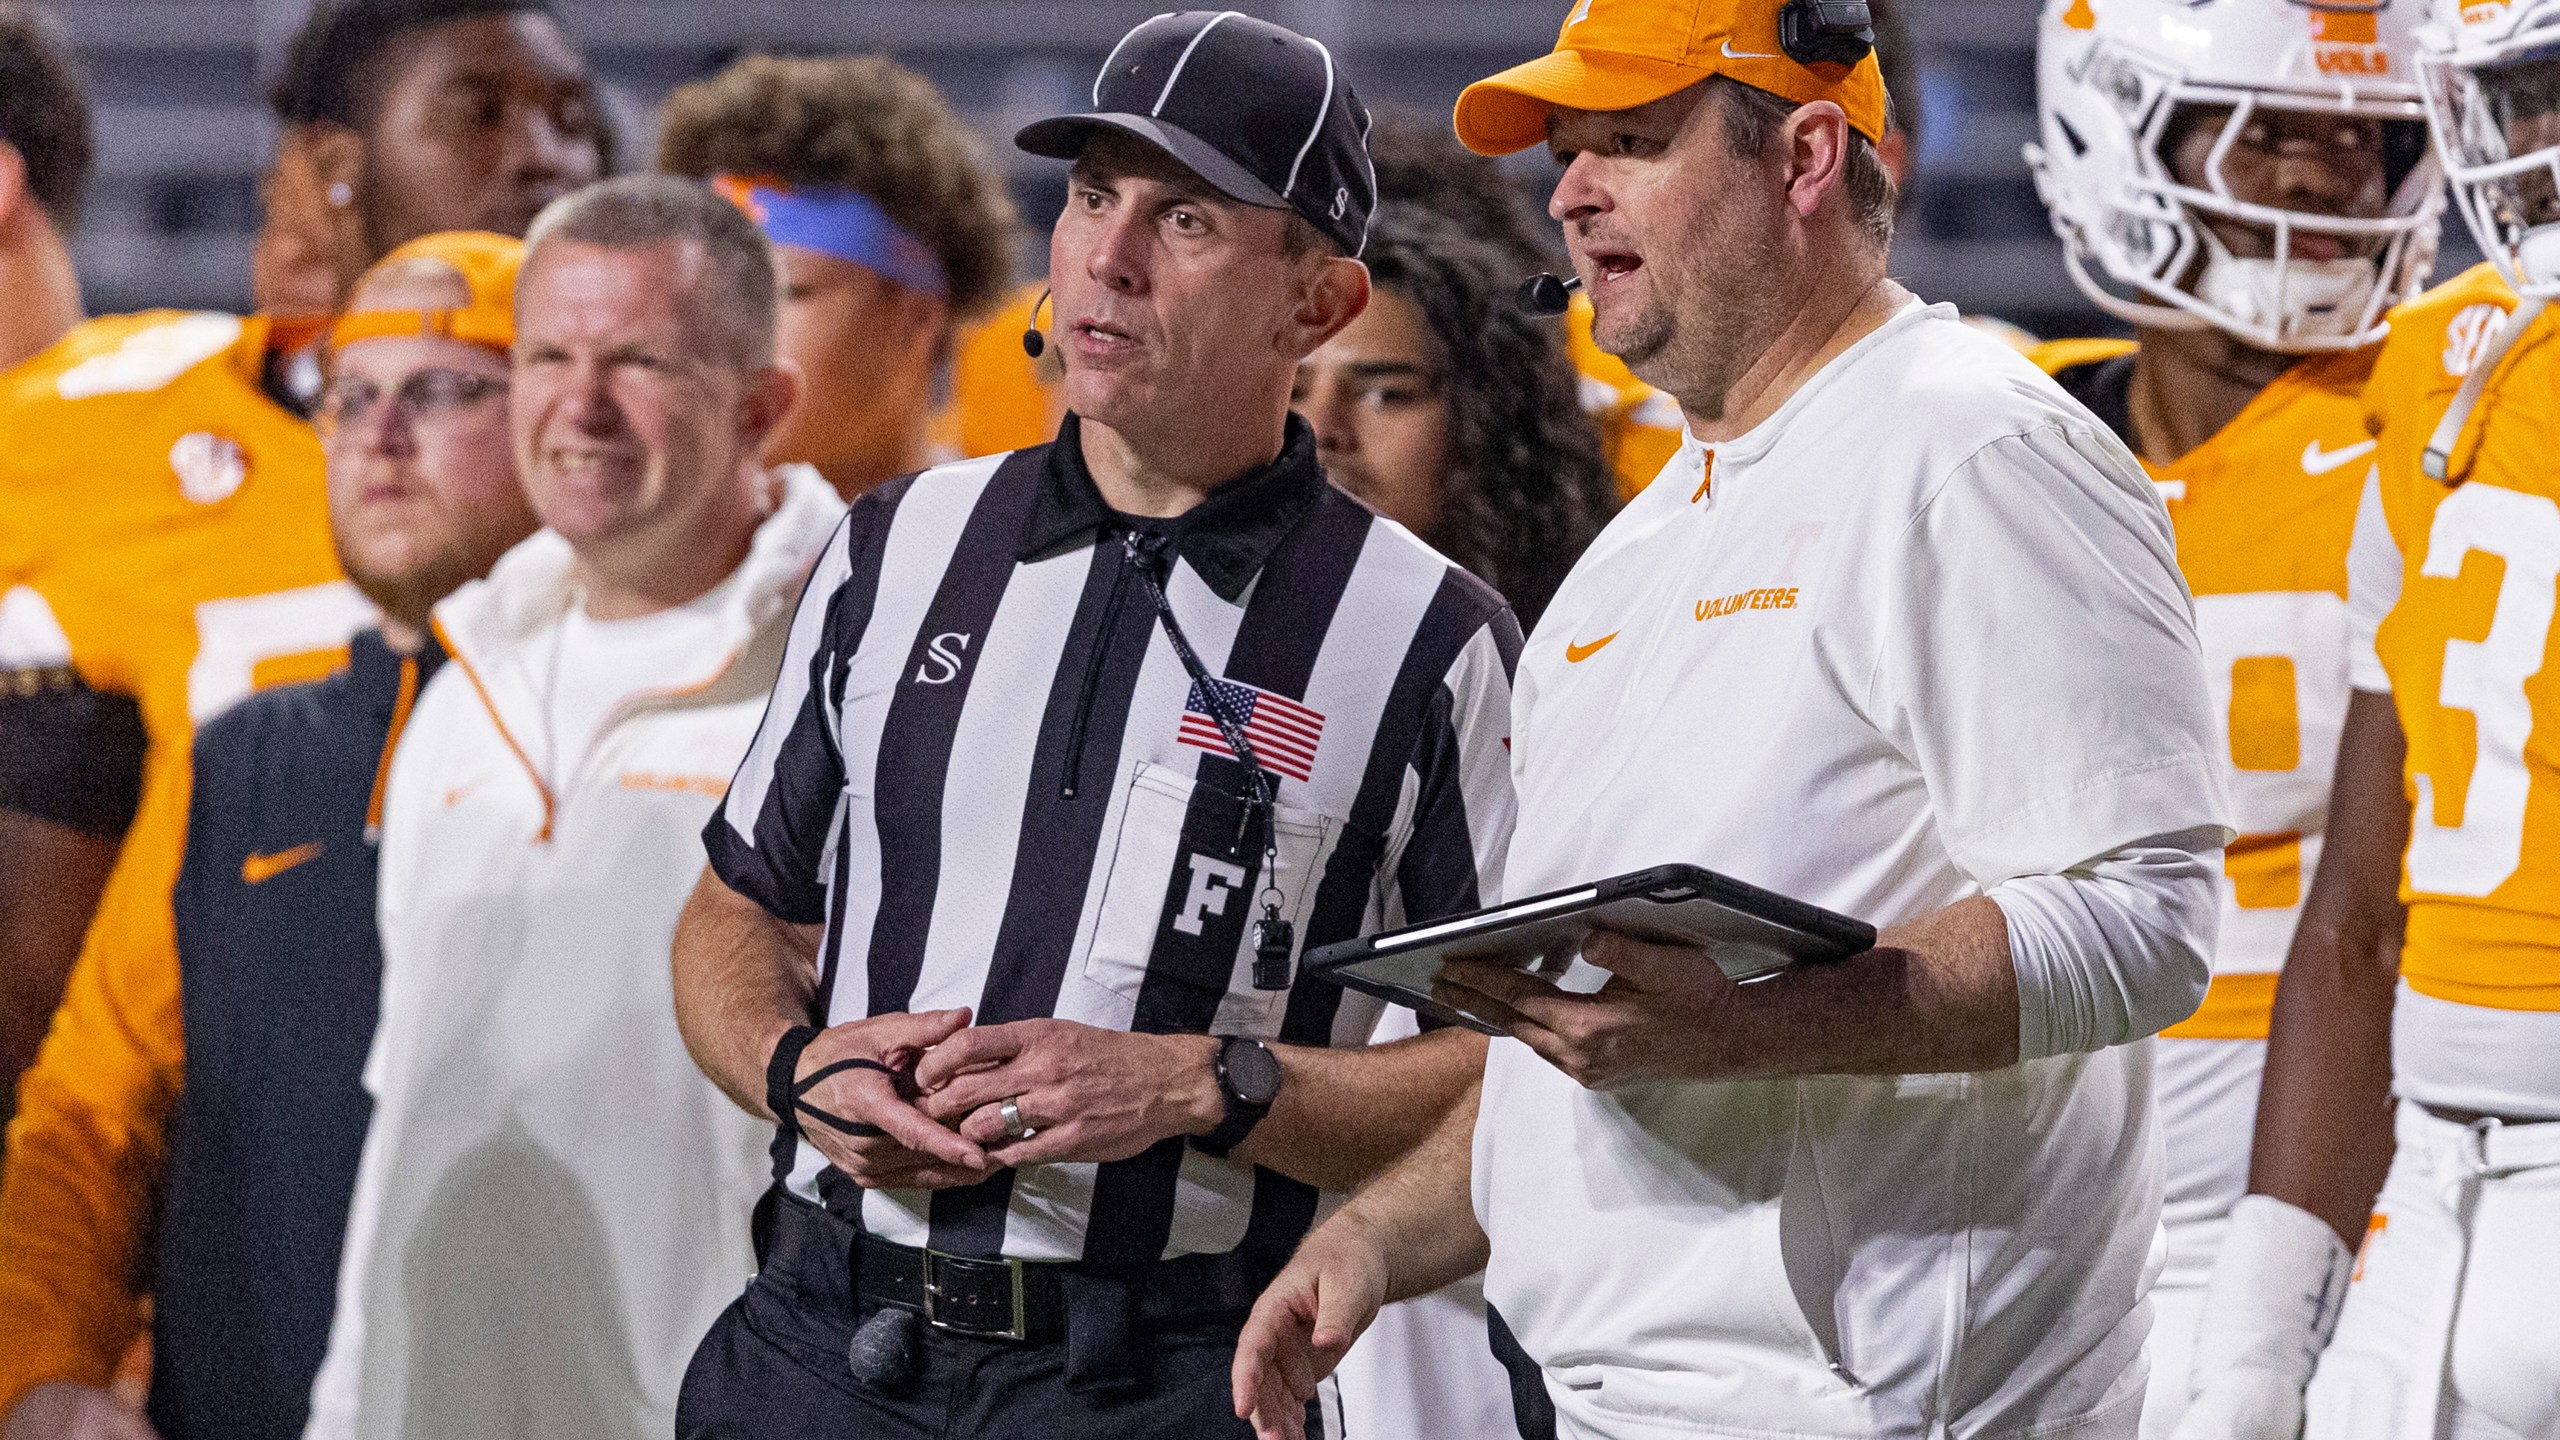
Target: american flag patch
x=1284, y=734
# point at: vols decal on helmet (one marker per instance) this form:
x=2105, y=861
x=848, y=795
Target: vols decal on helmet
x=2346, y=40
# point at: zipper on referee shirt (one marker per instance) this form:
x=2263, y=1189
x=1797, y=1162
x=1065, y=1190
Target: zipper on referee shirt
x=1102, y=639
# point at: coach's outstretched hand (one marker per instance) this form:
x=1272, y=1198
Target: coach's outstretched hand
x=1408, y=1232
x=1303, y=1324
x=60, y=1410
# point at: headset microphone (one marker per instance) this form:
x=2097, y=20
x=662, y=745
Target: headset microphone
x=1033, y=342
x=1544, y=294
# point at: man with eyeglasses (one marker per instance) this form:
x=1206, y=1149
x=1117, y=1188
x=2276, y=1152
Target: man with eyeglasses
x=164, y=554
x=277, y=955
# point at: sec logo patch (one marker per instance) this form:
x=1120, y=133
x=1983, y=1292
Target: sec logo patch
x=2469, y=332
x=209, y=467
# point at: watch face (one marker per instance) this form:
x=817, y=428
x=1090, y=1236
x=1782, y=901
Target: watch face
x=1253, y=1072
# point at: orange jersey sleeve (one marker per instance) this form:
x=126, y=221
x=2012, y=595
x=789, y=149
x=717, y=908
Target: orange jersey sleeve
x=2264, y=511
x=2469, y=645
x=172, y=520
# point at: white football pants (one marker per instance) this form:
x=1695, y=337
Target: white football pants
x=2452, y=1323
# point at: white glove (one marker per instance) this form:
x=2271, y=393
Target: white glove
x=2277, y=1287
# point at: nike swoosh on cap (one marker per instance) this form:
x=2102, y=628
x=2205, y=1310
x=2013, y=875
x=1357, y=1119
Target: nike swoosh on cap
x=1732, y=54
x=1576, y=654
x=2316, y=461
x=259, y=869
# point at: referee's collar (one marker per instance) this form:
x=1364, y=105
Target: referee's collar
x=1226, y=537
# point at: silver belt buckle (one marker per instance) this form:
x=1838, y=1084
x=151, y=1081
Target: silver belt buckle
x=1019, y=1326
x=2475, y=1148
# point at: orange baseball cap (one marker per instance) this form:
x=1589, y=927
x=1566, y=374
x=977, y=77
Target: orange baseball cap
x=1619, y=54
x=487, y=265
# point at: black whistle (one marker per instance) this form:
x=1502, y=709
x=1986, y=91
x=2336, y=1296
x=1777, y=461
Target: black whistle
x=1275, y=942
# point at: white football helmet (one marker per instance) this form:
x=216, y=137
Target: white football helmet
x=2491, y=69
x=2112, y=75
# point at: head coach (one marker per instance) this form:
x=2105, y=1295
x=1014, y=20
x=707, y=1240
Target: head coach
x=1075, y=749
x=1900, y=633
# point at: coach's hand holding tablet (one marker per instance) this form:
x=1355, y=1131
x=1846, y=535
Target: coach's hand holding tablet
x=1899, y=633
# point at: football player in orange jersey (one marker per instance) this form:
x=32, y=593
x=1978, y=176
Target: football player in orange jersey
x=249, y=1202
x=2412, y=1101
x=154, y=469
x=164, y=549
x=45, y=156
x=2254, y=218
x=893, y=232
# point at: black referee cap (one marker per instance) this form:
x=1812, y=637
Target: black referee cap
x=1259, y=111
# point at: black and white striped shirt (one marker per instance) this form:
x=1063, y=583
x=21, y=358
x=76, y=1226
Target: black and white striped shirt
x=977, y=771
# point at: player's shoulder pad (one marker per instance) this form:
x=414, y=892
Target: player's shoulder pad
x=2055, y=356
x=128, y=355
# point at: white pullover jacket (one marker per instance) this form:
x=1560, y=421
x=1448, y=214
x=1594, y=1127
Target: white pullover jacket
x=553, y=1202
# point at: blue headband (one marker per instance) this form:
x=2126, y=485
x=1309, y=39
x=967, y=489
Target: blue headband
x=844, y=223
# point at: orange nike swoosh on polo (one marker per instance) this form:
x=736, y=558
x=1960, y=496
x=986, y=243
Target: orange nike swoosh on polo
x=259, y=869
x=1576, y=654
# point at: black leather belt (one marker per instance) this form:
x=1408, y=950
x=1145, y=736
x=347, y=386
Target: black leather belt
x=1027, y=1300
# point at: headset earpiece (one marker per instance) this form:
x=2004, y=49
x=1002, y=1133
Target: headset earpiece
x=1826, y=32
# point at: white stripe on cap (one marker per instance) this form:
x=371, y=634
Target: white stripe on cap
x=1170, y=80
x=1105, y=72
x=1321, y=111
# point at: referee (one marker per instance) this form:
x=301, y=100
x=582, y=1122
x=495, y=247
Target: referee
x=1075, y=750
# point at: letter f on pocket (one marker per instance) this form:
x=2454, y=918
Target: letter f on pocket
x=1212, y=882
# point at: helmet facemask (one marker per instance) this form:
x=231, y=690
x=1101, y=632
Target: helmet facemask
x=2497, y=117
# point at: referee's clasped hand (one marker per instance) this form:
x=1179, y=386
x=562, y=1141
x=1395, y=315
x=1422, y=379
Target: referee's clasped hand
x=916, y=1151
x=1666, y=1013
x=1085, y=1094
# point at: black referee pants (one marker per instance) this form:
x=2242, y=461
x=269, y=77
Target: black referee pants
x=774, y=1368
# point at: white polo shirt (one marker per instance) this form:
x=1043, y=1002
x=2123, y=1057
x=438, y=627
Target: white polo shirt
x=1919, y=633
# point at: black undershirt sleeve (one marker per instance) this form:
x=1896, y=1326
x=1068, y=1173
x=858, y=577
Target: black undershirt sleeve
x=69, y=754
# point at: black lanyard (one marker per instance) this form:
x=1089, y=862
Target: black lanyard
x=1274, y=939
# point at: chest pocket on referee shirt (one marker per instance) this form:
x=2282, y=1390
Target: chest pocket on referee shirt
x=1182, y=893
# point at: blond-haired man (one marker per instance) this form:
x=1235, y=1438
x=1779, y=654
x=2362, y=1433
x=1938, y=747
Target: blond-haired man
x=552, y=1203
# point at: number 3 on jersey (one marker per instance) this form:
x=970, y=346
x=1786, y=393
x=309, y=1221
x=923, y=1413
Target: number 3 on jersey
x=2485, y=678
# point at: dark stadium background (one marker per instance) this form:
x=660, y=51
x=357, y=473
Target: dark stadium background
x=182, y=132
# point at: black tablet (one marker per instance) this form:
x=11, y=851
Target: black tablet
x=1748, y=931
